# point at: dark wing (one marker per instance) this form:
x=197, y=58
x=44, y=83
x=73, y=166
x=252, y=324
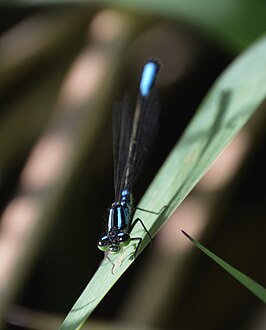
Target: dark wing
x=122, y=123
x=132, y=140
x=144, y=131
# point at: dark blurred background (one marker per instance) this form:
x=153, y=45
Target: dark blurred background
x=61, y=70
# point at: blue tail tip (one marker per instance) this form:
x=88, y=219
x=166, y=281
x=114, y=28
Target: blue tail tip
x=155, y=61
x=149, y=75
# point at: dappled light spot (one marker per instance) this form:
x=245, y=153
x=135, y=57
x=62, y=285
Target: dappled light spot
x=226, y=165
x=19, y=216
x=191, y=215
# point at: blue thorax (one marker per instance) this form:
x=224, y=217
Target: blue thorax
x=120, y=213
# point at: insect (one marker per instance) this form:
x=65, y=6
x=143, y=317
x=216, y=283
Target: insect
x=131, y=140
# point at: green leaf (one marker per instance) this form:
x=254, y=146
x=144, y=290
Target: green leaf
x=227, y=22
x=230, y=103
x=251, y=285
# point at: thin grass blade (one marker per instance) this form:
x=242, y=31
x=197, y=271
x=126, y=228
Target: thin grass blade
x=246, y=281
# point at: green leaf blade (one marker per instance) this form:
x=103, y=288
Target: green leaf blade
x=227, y=23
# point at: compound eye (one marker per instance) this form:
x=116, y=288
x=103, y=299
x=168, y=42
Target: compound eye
x=124, y=239
x=103, y=243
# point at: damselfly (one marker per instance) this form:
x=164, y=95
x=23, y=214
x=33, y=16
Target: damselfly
x=132, y=138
